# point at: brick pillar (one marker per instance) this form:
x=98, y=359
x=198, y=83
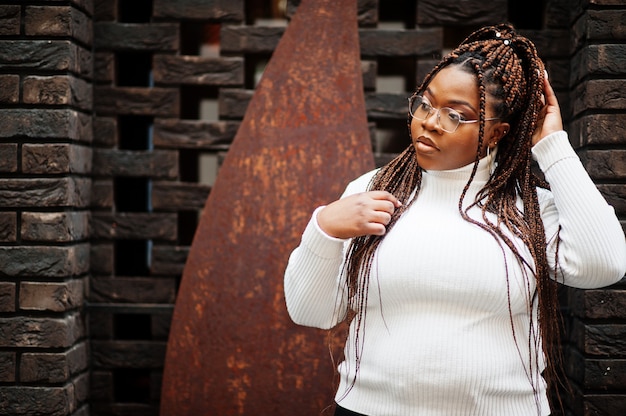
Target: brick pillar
x=596, y=354
x=150, y=80
x=45, y=162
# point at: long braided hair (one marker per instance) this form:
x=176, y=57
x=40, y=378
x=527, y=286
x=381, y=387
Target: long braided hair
x=509, y=70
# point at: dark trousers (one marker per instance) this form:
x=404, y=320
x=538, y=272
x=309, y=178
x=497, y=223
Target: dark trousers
x=340, y=411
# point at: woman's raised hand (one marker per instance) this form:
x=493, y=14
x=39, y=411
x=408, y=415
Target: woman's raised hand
x=550, y=119
x=359, y=214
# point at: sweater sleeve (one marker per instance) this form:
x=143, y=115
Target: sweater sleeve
x=592, y=248
x=313, y=288
x=315, y=292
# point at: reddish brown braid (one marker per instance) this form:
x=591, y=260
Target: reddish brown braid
x=509, y=70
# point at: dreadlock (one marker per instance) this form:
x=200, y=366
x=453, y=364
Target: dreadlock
x=508, y=69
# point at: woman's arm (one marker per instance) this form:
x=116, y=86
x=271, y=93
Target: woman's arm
x=592, y=250
x=314, y=290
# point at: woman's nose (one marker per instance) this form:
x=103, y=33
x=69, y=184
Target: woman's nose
x=431, y=122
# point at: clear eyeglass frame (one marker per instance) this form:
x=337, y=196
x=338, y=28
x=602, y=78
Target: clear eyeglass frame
x=447, y=118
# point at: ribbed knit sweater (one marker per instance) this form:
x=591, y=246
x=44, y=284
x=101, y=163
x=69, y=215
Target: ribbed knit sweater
x=446, y=333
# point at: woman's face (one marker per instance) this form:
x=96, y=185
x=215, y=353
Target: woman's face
x=437, y=149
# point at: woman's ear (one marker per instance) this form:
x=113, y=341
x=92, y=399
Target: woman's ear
x=497, y=133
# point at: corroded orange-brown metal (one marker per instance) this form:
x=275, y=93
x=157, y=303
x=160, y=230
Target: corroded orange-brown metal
x=233, y=349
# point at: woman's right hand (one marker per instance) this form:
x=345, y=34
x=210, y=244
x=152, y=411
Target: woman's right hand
x=359, y=214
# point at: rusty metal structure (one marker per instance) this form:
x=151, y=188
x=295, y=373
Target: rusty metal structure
x=232, y=348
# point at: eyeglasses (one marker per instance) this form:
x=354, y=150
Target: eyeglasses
x=447, y=118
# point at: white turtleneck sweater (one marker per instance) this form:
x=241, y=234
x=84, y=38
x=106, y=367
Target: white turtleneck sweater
x=438, y=336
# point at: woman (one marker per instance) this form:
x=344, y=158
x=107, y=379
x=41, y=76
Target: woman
x=445, y=260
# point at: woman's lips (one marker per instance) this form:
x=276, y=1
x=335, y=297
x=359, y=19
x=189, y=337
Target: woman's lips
x=425, y=145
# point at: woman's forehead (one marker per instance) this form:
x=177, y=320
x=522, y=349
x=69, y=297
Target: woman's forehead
x=454, y=85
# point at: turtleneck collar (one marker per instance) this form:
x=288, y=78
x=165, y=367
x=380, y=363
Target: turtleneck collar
x=463, y=173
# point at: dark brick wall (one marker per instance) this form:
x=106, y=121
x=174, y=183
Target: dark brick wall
x=45, y=151
x=596, y=349
x=116, y=115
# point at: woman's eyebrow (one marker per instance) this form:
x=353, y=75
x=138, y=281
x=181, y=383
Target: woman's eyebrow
x=454, y=102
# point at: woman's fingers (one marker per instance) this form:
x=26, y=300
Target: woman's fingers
x=548, y=92
x=549, y=118
x=384, y=196
x=359, y=214
x=383, y=217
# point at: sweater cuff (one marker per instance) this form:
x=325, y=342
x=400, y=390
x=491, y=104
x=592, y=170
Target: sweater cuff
x=552, y=149
x=320, y=243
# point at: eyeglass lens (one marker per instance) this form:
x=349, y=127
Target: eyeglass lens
x=421, y=109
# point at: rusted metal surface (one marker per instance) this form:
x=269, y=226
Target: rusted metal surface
x=233, y=349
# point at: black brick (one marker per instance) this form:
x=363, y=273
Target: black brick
x=59, y=21
x=7, y=366
x=600, y=94
x=132, y=290
x=57, y=90
x=551, y=44
x=196, y=70
x=128, y=354
x=9, y=88
x=29, y=401
x=168, y=260
x=51, y=296
x=233, y=102
x=155, y=164
x=604, y=404
x=25, y=332
x=8, y=157
x=398, y=43
x=136, y=37
x=55, y=159
x=7, y=298
x=134, y=226
x=45, y=55
x=102, y=256
x=53, y=367
x=595, y=374
x=55, y=226
x=598, y=303
x=43, y=192
x=104, y=10
x=600, y=129
x=105, y=131
x=104, y=67
x=605, y=61
x=468, y=12
x=161, y=102
x=221, y=10
x=42, y=261
x=102, y=193
x=598, y=25
x=249, y=39
x=605, y=164
x=179, y=196
x=600, y=340
x=46, y=124
x=194, y=134
x=10, y=20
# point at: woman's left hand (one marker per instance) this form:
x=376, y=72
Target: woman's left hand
x=550, y=119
